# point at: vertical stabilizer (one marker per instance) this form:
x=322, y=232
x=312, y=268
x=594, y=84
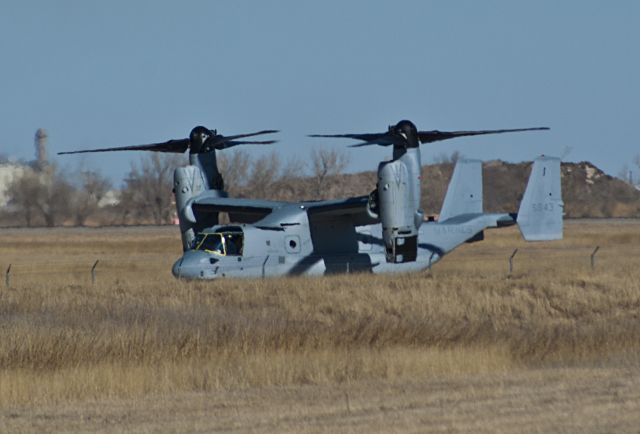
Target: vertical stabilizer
x=464, y=195
x=541, y=209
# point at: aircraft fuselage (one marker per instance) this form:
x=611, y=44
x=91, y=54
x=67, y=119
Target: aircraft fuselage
x=338, y=247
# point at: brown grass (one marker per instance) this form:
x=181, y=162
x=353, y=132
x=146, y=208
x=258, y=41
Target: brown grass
x=140, y=333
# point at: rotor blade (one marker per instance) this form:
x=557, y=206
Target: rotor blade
x=358, y=145
x=222, y=139
x=363, y=137
x=178, y=146
x=435, y=135
x=382, y=139
x=229, y=144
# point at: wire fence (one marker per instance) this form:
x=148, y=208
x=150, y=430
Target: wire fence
x=83, y=271
x=505, y=260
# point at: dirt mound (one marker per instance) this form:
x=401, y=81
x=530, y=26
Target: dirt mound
x=586, y=190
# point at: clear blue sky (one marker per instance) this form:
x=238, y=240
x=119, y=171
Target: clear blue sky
x=118, y=72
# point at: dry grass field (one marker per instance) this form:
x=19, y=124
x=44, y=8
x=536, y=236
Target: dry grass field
x=463, y=348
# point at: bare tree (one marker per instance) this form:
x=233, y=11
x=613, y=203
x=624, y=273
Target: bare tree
x=287, y=186
x=326, y=163
x=264, y=174
x=21, y=193
x=625, y=174
x=147, y=193
x=293, y=168
x=234, y=167
x=265, y=177
x=91, y=190
x=45, y=193
x=54, y=199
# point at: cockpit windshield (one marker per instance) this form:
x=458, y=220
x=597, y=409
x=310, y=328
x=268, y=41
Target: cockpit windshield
x=220, y=243
x=211, y=243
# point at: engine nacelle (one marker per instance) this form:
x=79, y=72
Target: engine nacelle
x=397, y=211
x=187, y=183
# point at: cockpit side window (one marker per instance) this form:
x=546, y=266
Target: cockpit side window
x=233, y=242
x=224, y=243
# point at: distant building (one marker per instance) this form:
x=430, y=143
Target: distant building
x=111, y=198
x=9, y=172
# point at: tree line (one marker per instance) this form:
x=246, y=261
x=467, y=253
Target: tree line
x=54, y=196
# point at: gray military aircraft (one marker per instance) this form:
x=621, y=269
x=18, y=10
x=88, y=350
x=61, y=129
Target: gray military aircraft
x=383, y=232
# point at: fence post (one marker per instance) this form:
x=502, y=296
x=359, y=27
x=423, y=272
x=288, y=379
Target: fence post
x=511, y=261
x=346, y=398
x=93, y=272
x=7, y=277
x=593, y=257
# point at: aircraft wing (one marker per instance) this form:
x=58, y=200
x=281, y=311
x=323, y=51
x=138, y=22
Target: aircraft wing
x=254, y=210
x=354, y=208
x=240, y=210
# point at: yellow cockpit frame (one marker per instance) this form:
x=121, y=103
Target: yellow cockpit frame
x=236, y=239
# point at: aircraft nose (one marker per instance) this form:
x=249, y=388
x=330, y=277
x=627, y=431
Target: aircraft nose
x=194, y=265
x=175, y=270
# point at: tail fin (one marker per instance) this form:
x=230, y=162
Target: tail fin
x=541, y=209
x=464, y=195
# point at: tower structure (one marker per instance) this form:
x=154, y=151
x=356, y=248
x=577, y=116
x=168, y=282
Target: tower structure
x=41, y=148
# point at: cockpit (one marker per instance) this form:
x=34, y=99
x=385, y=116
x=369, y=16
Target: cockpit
x=225, y=241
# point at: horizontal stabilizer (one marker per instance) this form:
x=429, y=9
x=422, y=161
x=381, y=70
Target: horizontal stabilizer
x=541, y=209
x=464, y=195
